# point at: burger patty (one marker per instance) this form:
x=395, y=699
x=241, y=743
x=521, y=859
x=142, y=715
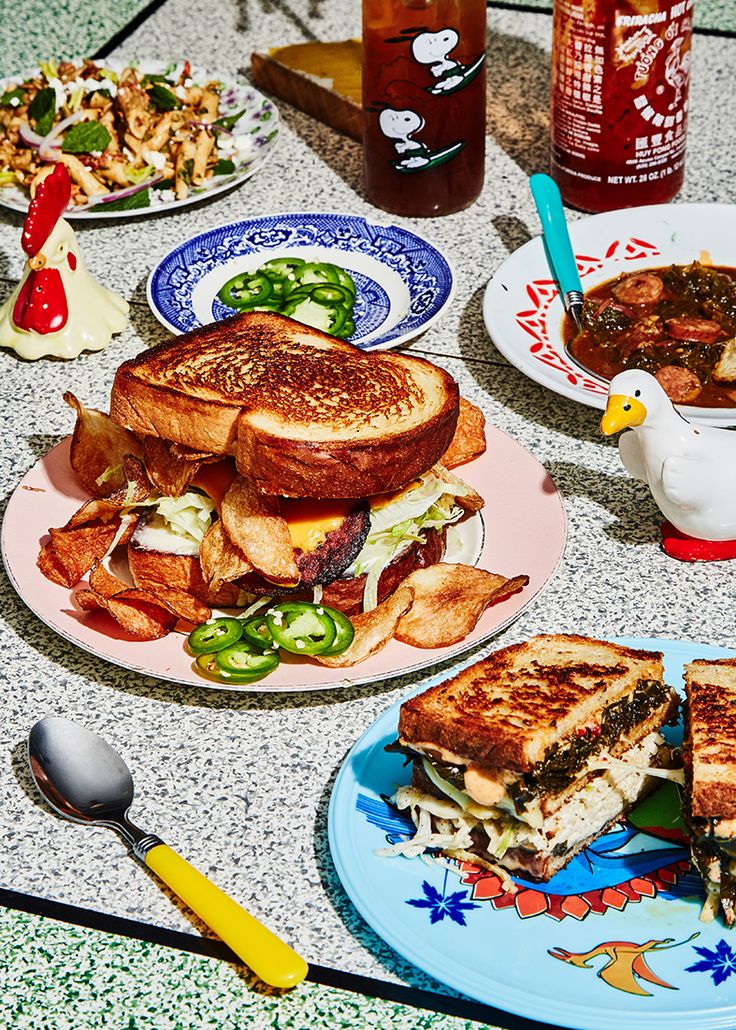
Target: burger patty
x=328, y=560
x=347, y=594
x=338, y=550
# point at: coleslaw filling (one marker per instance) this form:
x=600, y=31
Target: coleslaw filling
x=429, y=504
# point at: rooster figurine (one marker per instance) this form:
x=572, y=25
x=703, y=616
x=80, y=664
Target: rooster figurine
x=57, y=309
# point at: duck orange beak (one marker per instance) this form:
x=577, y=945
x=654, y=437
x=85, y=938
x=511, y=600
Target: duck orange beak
x=621, y=413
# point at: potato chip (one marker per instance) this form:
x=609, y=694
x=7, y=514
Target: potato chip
x=373, y=629
x=72, y=552
x=468, y=498
x=152, y=570
x=222, y=562
x=469, y=441
x=170, y=474
x=253, y=523
x=134, y=489
x=51, y=567
x=136, y=611
x=178, y=450
x=98, y=448
x=449, y=600
x=182, y=604
x=102, y=581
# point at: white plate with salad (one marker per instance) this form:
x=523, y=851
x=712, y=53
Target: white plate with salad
x=138, y=137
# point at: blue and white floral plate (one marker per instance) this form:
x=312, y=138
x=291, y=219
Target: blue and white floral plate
x=403, y=282
x=612, y=942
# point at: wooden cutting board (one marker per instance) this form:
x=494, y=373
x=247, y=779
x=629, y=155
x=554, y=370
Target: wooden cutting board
x=321, y=79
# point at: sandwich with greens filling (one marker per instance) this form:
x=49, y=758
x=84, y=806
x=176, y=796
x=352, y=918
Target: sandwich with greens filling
x=523, y=759
x=710, y=785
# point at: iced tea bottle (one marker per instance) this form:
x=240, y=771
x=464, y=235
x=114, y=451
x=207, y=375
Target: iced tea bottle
x=620, y=77
x=424, y=104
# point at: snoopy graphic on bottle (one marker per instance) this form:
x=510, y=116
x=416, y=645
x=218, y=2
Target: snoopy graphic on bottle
x=433, y=49
x=430, y=49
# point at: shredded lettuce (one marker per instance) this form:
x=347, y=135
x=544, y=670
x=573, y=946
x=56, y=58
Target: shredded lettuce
x=395, y=526
x=110, y=471
x=189, y=515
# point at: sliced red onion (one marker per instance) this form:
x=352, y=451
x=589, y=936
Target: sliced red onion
x=30, y=137
x=106, y=198
x=48, y=144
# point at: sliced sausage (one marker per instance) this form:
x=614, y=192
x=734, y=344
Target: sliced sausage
x=639, y=288
x=698, y=330
x=680, y=384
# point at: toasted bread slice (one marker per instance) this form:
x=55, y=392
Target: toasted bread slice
x=506, y=711
x=304, y=414
x=710, y=741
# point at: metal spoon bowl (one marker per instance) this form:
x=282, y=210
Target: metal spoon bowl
x=86, y=780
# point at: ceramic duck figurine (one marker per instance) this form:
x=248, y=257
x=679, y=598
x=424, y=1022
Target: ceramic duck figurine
x=690, y=470
x=57, y=309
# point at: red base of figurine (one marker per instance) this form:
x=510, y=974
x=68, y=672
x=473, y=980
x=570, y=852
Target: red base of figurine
x=690, y=548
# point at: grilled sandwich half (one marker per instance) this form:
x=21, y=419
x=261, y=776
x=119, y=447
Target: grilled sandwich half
x=710, y=782
x=525, y=758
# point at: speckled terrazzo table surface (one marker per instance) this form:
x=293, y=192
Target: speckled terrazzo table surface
x=216, y=773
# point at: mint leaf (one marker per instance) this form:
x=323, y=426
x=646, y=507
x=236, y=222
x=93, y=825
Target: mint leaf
x=224, y=167
x=163, y=99
x=85, y=138
x=42, y=110
x=163, y=184
x=229, y=120
x=150, y=78
x=129, y=203
x=12, y=94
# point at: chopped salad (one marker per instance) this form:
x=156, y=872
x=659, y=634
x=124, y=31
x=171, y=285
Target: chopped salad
x=129, y=138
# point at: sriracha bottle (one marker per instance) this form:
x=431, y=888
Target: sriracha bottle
x=620, y=77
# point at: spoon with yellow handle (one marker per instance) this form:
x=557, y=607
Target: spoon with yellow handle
x=87, y=781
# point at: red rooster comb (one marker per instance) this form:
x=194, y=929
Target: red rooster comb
x=52, y=196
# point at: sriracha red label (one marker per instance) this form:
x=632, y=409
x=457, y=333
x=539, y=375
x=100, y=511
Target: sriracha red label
x=620, y=77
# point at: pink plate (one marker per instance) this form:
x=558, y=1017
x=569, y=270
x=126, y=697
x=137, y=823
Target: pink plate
x=524, y=532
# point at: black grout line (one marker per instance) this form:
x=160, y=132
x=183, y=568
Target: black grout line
x=212, y=948
x=127, y=30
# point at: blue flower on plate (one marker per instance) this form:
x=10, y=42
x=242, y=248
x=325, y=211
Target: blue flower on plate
x=442, y=904
x=719, y=963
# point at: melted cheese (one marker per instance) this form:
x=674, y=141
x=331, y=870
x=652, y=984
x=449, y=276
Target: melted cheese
x=310, y=521
x=215, y=479
x=383, y=500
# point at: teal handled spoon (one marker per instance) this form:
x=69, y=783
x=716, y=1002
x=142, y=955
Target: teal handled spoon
x=557, y=245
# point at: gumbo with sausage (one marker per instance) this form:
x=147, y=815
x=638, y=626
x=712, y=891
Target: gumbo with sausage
x=678, y=323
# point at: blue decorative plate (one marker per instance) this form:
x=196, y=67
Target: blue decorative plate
x=613, y=942
x=403, y=283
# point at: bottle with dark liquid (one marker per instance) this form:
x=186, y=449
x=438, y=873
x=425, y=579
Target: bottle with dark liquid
x=424, y=104
x=620, y=77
